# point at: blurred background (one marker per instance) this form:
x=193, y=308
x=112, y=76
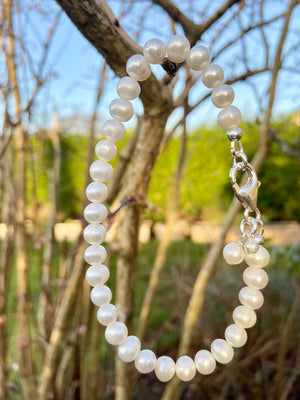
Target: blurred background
x=55, y=90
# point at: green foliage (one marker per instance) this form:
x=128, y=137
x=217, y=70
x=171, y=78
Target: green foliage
x=280, y=177
x=205, y=188
x=74, y=154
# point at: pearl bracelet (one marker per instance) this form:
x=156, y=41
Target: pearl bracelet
x=248, y=248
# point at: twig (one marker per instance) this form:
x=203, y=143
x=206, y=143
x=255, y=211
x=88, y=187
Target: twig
x=284, y=147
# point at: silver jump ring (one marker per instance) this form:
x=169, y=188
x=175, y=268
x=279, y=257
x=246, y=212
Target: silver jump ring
x=251, y=221
x=257, y=214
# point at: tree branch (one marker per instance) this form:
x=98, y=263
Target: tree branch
x=284, y=147
x=101, y=28
x=192, y=30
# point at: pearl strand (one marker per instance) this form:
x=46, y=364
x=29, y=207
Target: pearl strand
x=254, y=254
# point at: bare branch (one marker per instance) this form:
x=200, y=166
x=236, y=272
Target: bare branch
x=284, y=147
x=102, y=29
x=192, y=30
x=178, y=16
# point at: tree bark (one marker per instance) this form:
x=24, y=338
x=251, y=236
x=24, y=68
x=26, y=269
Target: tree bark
x=7, y=252
x=162, y=251
x=45, y=312
x=62, y=315
x=26, y=363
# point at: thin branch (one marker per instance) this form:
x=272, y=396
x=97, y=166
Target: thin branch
x=284, y=147
x=102, y=29
x=193, y=31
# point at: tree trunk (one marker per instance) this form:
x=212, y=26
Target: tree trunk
x=7, y=252
x=136, y=184
x=162, y=251
x=26, y=363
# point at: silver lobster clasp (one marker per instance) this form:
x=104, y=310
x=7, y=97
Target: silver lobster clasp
x=246, y=194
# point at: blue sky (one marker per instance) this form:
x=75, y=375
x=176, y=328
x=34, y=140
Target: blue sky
x=77, y=64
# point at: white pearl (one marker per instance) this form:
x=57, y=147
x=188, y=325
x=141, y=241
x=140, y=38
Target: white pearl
x=235, y=335
x=114, y=130
x=185, y=368
x=116, y=333
x=222, y=351
x=145, y=361
x=222, y=96
x=138, y=67
x=95, y=213
x=128, y=88
x=155, y=51
x=251, y=297
x=205, y=362
x=233, y=253
x=165, y=368
x=198, y=57
x=212, y=76
x=259, y=259
x=106, y=150
x=244, y=317
x=229, y=118
x=255, y=277
x=178, y=48
x=94, y=233
x=107, y=314
x=121, y=110
x=129, y=349
x=101, y=171
x=95, y=254
x=96, y=192
x=100, y=294
x=97, y=275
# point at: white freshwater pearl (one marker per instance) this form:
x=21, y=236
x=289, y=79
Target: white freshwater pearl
x=106, y=150
x=138, y=67
x=96, y=192
x=251, y=297
x=259, y=259
x=97, y=275
x=128, y=88
x=100, y=294
x=95, y=213
x=116, y=333
x=198, y=57
x=114, y=130
x=233, y=253
x=222, y=96
x=145, y=361
x=165, y=368
x=95, y=254
x=129, y=349
x=255, y=277
x=121, y=110
x=222, y=351
x=101, y=171
x=235, y=335
x=229, y=118
x=94, y=233
x=244, y=316
x=185, y=368
x=155, y=51
x=178, y=48
x=212, y=76
x=205, y=362
x=107, y=314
